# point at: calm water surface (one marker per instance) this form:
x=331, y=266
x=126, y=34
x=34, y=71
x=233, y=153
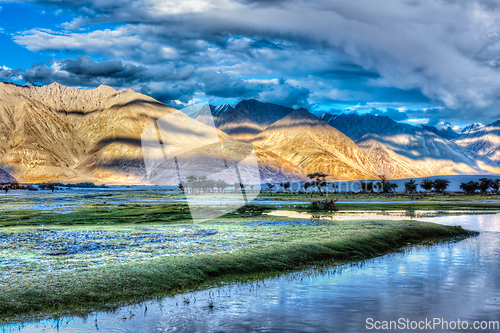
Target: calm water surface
x=450, y=281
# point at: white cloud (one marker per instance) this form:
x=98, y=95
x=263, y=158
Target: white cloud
x=419, y=121
x=447, y=50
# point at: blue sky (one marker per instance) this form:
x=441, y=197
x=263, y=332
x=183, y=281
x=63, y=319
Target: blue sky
x=420, y=61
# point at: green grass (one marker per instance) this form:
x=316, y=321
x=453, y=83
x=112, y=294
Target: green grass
x=123, y=214
x=165, y=214
x=39, y=280
x=253, y=249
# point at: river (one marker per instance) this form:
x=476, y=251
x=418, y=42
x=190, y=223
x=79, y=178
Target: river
x=449, y=282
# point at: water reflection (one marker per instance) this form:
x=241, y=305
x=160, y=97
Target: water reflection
x=450, y=281
x=389, y=215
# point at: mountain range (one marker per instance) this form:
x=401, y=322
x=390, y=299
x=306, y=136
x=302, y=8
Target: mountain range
x=247, y=119
x=59, y=133
x=315, y=146
x=482, y=140
x=386, y=147
x=402, y=151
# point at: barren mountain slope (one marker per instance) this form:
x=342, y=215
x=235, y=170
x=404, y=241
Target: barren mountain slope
x=55, y=132
x=179, y=147
x=59, y=133
x=35, y=140
x=248, y=118
x=313, y=145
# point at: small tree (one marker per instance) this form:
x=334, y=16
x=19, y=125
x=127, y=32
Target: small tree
x=190, y=184
x=306, y=185
x=469, y=188
x=411, y=186
x=208, y=185
x=495, y=185
x=366, y=187
x=285, y=186
x=427, y=184
x=440, y=185
x=270, y=186
x=386, y=186
x=484, y=185
x=318, y=180
x=221, y=185
x=51, y=187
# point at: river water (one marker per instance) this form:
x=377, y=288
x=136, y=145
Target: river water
x=449, y=282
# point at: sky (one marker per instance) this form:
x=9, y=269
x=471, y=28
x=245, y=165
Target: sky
x=415, y=61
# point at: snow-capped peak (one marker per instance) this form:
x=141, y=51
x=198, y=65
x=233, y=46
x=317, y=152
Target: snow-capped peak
x=472, y=127
x=219, y=109
x=442, y=126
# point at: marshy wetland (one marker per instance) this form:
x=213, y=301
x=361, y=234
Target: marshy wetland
x=76, y=252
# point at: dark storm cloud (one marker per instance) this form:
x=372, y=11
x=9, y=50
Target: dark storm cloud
x=286, y=94
x=443, y=53
x=174, y=93
x=222, y=85
x=87, y=67
x=7, y=73
x=347, y=71
x=86, y=72
x=83, y=71
x=391, y=113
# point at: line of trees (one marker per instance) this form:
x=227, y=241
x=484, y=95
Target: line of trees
x=437, y=185
x=483, y=186
x=195, y=185
x=203, y=184
x=318, y=183
x=13, y=186
x=385, y=186
x=381, y=186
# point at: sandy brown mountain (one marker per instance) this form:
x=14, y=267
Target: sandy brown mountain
x=315, y=146
x=57, y=133
x=60, y=133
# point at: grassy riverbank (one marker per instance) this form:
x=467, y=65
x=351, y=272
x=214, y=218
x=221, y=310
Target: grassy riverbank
x=55, y=269
x=108, y=214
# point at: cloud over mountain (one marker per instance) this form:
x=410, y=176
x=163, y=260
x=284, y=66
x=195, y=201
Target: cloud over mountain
x=434, y=53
